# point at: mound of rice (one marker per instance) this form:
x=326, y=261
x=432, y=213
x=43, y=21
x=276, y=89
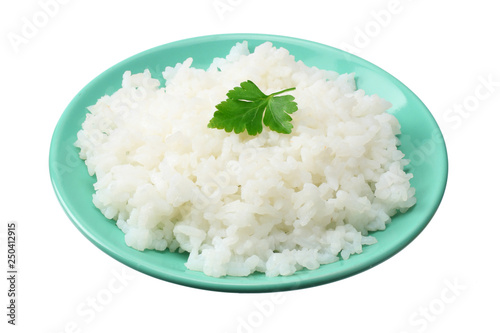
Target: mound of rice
x=273, y=203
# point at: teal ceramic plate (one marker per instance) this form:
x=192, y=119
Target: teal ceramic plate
x=422, y=142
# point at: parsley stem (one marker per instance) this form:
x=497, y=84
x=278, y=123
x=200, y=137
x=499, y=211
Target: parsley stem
x=282, y=91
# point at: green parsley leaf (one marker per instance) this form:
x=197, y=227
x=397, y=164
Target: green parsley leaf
x=247, y=104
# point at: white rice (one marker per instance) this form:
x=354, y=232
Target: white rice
x=273, y=203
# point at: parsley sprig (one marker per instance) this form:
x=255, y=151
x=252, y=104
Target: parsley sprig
x=247, y=104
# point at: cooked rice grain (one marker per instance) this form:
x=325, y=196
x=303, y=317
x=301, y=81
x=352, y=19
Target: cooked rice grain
x=273, y=203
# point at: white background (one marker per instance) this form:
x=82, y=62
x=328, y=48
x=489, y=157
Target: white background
x=445, y=281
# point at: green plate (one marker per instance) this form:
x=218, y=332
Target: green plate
x=421, y=140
